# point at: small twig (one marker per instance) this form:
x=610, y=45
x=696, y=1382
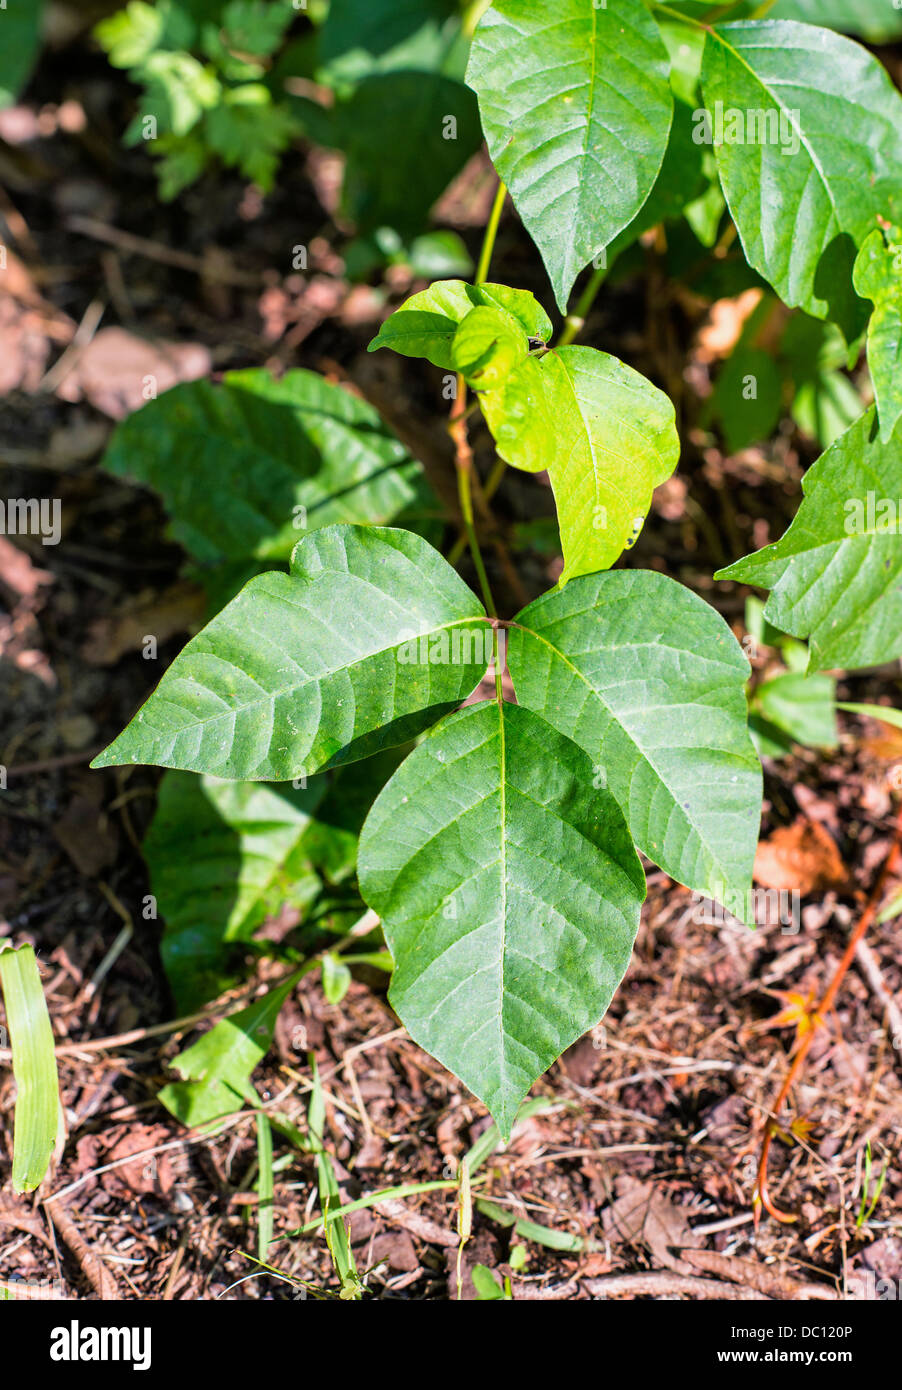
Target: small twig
x=870, y=967
x=761, y=1196
x=665, y=1284
x=182, y=260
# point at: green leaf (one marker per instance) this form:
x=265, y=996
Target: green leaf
x=251, y=133
x=878, y=21
x=648, y=679
x=576, y=107
x=821, y=158
x=878, y=276
x=20, y=39
x=222, y=857
x=265, y=1184
x=825, y=406
x=884, y=712
x=216, y=1070
x=427, y=323
x=804, y=707
x=405, y=136
x=256, y=26
x=34, y=1067
x=606, y=436
x=360, y=38
x=179, y=90
x=336, y=978
x=319, y=667
x=245, y=467
x=133, y=33
x=488, y=1290
x=748, y=397
x=487, y=346
x=836, y=575
x=509, y=892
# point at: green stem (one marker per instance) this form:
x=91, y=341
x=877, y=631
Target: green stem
x=465, y=493
x=491, y=231
x=764, y=9
x=574, y=321
x=682, y=18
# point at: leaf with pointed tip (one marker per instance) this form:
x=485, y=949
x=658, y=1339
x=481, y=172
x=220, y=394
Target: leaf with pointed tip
x=240, y=464
x=648, y=679
x=836, y=575
x=878, y=276
x=487, y=346
x=824, y=160
x=509, y=892
x=576, y=108
x=311, y=669
x=606, y=436
x=427, y=323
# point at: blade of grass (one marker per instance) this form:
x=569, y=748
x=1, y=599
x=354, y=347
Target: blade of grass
x=530, y=1230
x=265, y=1185
x=889, y=716
x=34, y=1067
x=337, y=1233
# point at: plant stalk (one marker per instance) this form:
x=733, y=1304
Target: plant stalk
x=760, y=1196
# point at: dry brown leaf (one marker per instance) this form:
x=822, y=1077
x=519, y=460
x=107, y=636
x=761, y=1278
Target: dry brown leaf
x=726, y=320
x=179, y=609
x=117, y=371
x=801, y=856
x=643, y=1215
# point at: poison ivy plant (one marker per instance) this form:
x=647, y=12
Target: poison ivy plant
x=426, y=325
x=836, y=575
x=371, y=639
x=500, y=854
x=606, y=436
x=648, y=680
